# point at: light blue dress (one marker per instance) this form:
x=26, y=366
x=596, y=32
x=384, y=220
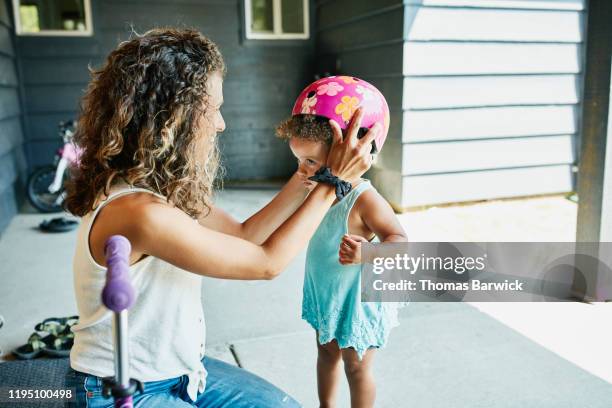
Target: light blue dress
x=332, y=291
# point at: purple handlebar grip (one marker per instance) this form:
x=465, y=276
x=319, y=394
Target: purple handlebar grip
x=118, y=293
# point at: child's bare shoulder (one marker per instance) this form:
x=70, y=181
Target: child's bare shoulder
x=377, y=215
x=370, y=208
x=370, y=200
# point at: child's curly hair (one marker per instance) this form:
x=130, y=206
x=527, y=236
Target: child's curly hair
x=310, y=127
x=139, y=121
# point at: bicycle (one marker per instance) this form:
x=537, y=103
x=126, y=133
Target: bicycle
x=45, y=186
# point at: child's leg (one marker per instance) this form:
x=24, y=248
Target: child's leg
x=328, y=372
x=360, y=378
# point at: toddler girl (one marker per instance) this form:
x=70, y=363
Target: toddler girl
x=346, y=328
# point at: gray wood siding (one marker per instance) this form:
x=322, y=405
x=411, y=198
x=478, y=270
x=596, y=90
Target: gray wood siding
x=491, y=98
x=365, y=38
x=495, y=81
x=484, y=94
x=12, y=160
x=263, y=78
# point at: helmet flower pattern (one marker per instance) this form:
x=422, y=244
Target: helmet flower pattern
x=369, y=99
x=308, y=105
x=348, y=79
x=346, y=108
x=365, y=92
x=330, y=88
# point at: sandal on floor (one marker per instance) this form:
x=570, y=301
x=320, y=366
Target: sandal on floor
x=64, y=337
x=57, y=342
x=34, y=347
x=59, y=224
x=61, y=345
x=54, y=325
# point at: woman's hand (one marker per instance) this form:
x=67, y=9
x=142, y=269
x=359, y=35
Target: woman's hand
x=350, y=157
x=308, y=185
x=350, y=249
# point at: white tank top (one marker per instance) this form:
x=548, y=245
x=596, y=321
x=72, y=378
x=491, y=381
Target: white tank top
x=167, y=332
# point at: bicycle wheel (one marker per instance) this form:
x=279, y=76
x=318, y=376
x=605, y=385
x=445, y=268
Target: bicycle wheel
x=38, y=190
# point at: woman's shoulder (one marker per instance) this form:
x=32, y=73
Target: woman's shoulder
x=125, y=203
x=136, y=208
x=136, y=202
x=119, y=189
x=132, y=215
x=126, y=207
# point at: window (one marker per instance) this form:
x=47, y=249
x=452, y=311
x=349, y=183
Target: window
x=276, y=19
x=53, y=17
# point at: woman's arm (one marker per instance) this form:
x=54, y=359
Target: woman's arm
x=260, y=225
x=167, y=233
x=157, y=229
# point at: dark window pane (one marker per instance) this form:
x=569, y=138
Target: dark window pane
x=262, y=16
x=37, y=15
x=293, y=16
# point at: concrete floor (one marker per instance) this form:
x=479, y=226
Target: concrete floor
x=442, y=355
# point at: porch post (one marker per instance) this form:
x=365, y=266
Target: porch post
x=595, y=167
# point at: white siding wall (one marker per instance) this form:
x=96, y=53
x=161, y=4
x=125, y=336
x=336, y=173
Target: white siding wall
x=490, y=100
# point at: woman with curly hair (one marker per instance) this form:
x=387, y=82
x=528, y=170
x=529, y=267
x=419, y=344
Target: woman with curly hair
x=149, y=125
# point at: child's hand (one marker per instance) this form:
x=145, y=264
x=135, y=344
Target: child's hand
x=350, y=249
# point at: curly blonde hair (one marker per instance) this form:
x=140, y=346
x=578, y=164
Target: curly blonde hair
x=140, y=118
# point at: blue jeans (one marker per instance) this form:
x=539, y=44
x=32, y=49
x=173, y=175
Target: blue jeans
x=226, y=386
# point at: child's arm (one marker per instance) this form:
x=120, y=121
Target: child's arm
x=260, y=225
x=378, y=217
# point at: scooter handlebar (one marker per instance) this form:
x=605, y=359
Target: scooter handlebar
x=118, y=293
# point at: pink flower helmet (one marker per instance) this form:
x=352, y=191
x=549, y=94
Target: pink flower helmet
x=337, y=98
